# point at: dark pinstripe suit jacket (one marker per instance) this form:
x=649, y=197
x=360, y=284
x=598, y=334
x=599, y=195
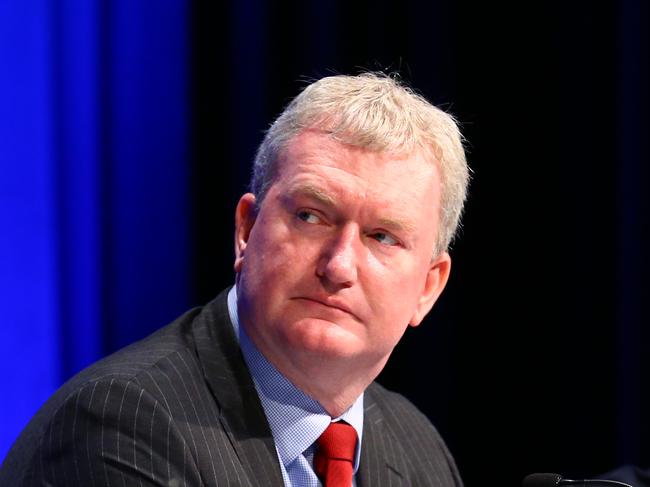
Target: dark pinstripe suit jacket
x=179, y=408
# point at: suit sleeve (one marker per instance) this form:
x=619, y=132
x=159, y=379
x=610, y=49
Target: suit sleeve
x=112, y=432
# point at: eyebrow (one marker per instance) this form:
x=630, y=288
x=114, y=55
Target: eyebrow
x=316, y=193
x=313, y=192
x=398, y=225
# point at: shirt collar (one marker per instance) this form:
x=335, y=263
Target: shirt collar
x=296, y=419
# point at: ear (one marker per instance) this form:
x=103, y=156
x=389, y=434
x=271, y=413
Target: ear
x=245, y=216
x=435, y=282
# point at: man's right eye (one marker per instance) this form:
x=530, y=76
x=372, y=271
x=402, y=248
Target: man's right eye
x=308, y=217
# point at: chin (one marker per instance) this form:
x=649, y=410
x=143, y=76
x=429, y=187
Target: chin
x=323, y=337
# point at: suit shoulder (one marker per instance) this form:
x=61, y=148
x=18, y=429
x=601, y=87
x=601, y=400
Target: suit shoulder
x=130, y=361
x=105, y=422
x=142, y=362
x=141, y=369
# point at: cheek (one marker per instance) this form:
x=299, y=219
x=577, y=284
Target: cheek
x=267, y=239
x=276, y=254
x=394, y=292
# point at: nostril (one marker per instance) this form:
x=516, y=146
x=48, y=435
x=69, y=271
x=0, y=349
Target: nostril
x=339, y=269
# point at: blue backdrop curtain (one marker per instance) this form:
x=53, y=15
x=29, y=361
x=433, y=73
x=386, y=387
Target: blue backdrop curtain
x=94, y=186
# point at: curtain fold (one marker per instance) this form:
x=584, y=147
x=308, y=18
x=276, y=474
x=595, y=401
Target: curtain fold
x=94, y=187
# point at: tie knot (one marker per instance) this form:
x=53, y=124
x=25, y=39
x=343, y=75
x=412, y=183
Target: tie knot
x=334, y=457
x=338, y=442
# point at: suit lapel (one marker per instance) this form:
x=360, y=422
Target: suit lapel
x=242, y=415
x=382, y=461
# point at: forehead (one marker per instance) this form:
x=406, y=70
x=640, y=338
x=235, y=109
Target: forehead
x=315, y=156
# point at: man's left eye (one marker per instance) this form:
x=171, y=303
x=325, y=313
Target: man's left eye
x=308, y=216
x=384, y=238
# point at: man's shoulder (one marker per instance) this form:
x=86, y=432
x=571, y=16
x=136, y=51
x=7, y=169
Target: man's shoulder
x=145, y=357
x=160, y=361
x=159, y=377
x=167, y=352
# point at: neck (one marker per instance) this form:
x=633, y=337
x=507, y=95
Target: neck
x=333, y=381
x=330, y=390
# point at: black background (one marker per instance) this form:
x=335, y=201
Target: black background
x=535, y=358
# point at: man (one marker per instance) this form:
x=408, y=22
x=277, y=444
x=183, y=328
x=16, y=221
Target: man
x=356, y=194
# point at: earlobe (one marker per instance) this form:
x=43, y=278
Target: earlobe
x=245, y=215
x=435, y=282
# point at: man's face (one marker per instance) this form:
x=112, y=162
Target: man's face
x=337, y=262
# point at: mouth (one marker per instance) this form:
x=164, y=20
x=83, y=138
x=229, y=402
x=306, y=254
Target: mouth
x=328, y=303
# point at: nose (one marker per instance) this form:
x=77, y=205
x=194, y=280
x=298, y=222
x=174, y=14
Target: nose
x=337, y=265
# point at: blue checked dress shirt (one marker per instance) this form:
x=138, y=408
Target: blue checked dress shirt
x=296, y=420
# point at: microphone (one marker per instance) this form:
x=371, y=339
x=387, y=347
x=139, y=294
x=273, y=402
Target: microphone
x=553, y=479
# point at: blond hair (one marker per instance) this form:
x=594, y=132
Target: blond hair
x=375, y=112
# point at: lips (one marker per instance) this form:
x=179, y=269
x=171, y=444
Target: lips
x=328, y=302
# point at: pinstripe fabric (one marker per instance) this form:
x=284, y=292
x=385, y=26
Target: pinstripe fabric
x=400, y=445
x=180, y=409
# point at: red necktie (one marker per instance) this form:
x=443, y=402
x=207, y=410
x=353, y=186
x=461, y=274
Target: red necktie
x=334, y=457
